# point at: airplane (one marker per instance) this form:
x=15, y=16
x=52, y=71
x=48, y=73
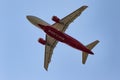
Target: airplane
x=55, y=33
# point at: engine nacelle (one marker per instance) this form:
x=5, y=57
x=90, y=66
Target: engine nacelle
x=42, y=41
x=56, y=19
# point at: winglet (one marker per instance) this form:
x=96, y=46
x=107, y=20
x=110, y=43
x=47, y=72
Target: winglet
x=83, y=7
x=46, y=69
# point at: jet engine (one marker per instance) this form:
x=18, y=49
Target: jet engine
x=56, y=19
x=42, y=41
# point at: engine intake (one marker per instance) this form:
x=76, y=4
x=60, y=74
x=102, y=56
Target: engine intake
x=42, y=41
x=56, y=19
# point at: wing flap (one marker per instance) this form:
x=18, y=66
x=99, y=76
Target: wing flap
x=49, y=50
x=64, y=23
x=71, y=17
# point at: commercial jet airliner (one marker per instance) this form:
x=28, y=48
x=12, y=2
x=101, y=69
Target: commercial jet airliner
x=55, y=33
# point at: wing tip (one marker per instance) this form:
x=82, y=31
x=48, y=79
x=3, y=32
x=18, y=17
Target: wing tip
x=84, y=6
x=83, y=62
x=46, y=68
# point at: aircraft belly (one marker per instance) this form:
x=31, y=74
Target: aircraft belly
x=76, y=44
x=55, y=34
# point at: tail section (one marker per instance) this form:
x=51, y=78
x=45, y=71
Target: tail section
x=90, y=47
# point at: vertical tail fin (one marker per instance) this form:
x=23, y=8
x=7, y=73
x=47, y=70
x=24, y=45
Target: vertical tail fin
x=89, y=46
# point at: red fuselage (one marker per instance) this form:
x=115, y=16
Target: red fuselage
x=62, y=37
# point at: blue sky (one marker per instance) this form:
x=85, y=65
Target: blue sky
x=22, y=57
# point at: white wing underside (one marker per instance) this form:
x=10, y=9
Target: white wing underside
x=62, y=26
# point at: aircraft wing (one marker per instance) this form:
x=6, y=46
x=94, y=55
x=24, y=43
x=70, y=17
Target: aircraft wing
x=49, y=50
x=64, y=23
x=62, y=26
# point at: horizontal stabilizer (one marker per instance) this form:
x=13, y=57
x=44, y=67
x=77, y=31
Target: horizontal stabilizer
x=90, y=47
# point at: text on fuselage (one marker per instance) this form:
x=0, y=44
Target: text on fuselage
x=56, y=35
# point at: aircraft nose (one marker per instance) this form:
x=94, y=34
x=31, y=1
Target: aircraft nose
x=34, y=20
x=30, y=18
